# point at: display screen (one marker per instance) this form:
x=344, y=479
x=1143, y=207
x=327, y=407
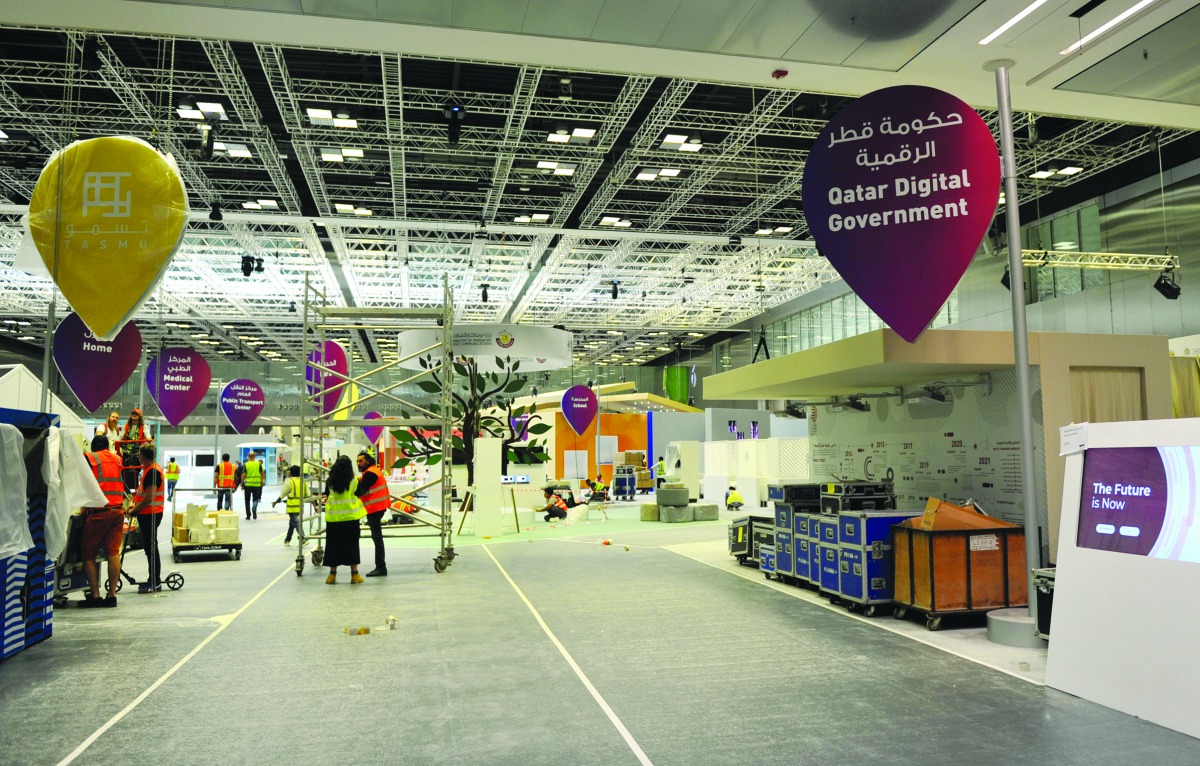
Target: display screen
x=1142, y=501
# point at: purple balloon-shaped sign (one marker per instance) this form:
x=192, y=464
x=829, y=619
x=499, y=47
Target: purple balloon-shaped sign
x=579, y=406
x=95, y=369
x=178, y=381
x=242, y=401
x=373, y=432
x=332, y=357
x=899, y=190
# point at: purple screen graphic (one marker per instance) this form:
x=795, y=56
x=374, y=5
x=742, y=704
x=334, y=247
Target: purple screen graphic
x=899, y=190
x=1141, y=501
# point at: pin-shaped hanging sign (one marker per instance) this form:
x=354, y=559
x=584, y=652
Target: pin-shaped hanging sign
x=373, y=432
x=899, y=190
x=107, y=215
x=242, y=401
x=579, y=406
x=178, y=381
x=95, y=369
x=332, y=357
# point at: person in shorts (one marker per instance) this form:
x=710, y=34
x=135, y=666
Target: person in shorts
x=103, y=527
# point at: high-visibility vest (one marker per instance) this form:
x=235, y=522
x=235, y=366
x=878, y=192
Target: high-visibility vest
x=377, y=499
x=225, y=475
x=599, y=487
x=558, y=502
x=254, y=477
x=106, y=467
x=155, y=507
x=295, y=498
x=734, y=497
x=344, y=506
x=172, y=471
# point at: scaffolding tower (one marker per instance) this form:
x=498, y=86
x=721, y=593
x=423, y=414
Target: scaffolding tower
x=321, y=380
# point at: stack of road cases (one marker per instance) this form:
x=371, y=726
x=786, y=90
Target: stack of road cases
x=840, y=496
x=747, y=534
x=865, y=557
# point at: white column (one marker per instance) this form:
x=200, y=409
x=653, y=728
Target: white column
x=489, y=502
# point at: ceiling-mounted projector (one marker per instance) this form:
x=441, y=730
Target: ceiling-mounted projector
x=853, y=404
x=926, y=396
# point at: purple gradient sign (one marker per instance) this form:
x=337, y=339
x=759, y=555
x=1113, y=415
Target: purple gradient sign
x=899, y=191
x=179, y=383
x=579, y=406
x=242, y=401
x=1129, y=504
x=373, y=432
x=332, y=357
x=95, y=369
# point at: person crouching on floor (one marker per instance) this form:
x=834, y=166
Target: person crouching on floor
x=556, y=507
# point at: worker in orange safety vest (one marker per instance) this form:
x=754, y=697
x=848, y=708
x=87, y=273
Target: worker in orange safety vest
x=373, y=491
x=223, y=481
x=103, y=527
x=148, y=507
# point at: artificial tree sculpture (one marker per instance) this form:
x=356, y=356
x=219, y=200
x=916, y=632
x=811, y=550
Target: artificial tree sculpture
x=483, y=404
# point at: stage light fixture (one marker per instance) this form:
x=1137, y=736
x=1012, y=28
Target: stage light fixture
x=485, y=292
x=615, y=289
x=247, y=265
x=454, y=114
x=292, y=307
x=1006, y=280
x=1167, y=287
x=214, y=214
x=258, y=266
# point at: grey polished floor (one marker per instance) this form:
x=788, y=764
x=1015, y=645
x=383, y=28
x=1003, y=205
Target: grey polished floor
x=699, y=667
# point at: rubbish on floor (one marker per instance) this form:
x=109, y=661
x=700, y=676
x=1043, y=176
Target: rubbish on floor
x=356, y=631
x=606, y=541
x=391, y=622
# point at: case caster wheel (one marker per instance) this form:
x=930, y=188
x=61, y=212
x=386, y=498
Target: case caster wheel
x=60, y=602
x=767, y=575
x=176, y=557
x=869, y=611
x=237, y=555
x=439, y=565
x=317, y=557
x=933, y=623
x=174, y=581
x=899, y=612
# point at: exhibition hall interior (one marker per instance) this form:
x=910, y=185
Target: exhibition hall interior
x=599, y=382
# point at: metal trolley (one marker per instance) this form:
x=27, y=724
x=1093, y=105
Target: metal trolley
x=320, y=317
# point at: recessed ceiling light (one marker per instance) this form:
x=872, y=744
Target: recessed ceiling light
x=268, y=203
x=522, y=219
x=342, y=207
x=609, y=220
x=583, y=133
x=238, y=150
x=251, y=206
x=1118, y=19
x=564, y=171
x=1011, y=22
x=541, y=216
x=319, y=114
x=332, y=155
x=615, y=332
x=357, y=153
x=190, y=114
x=1070, y=171
x=345, y=122
x=362, y=211
x=212, y=108
x=547, y=164
x=695, y=335
x=558, y=138
x=1064, y=245
x=1041, y=174
x=647, y=176
x=690, y=147
x=763, y=232
x=674, y=138
x=669, y=172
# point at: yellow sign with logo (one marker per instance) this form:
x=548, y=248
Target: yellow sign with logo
x=349, y=396
x=107, y=215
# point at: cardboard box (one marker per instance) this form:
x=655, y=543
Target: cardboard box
x=194, y=516
x=179, y=519
x=202, y=536
x=225, y=535
x=181, y=533
x=634, y=457
x=227, y=520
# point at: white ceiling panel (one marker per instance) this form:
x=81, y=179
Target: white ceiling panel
x=496, y=15
x=438, y=12
x=634, y=22
x=563, y=18
x=704, y=25
x=351, y=9
x=772, y=27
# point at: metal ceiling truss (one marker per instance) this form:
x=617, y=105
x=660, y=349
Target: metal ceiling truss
x=420, y=209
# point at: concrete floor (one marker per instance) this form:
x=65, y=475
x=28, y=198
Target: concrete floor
x=532, y=649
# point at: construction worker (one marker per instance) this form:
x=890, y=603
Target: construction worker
x=103, y=527
x=252, y=483
x=373, y=491
x=733, y=499
x=148, y=507
x=295, y=493
x=556, y=507
x=172, y=471
x=343, y=509
x=599, y=489
x=660, y=472
x=223, y=481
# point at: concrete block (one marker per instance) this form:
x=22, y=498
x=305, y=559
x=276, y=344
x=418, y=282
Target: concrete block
x=705, y=512
x=649, y=511
x=671, y=496
x=673, y=514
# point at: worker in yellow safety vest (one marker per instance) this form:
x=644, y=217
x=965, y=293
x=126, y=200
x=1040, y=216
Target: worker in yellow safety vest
x=295, y=493
x=148, y=507
x=343, y=509
x=373, y=491
x=223, y=481
x=252, y=484
x=103, y=526
x=172, y=471
x=733, y=499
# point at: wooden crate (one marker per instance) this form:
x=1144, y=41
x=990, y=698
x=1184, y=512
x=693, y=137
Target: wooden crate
x=959, y=570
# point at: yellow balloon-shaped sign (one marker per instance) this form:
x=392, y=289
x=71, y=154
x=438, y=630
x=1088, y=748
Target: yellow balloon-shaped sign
x=107, y=215
x=349, y=396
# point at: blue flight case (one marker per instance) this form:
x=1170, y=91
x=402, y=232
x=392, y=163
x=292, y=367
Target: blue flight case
x=814, y=551
x=766, y=559
x=802, y=559
x=830, y=578
x=865, y=556
x=804, y=539
x=783, y=515
x=783, y=553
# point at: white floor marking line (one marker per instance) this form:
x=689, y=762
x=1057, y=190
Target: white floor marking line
x=608, y=711
x=781, y=588
x=225, y=620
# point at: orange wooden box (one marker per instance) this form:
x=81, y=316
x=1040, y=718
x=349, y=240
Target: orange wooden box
x=962, y=567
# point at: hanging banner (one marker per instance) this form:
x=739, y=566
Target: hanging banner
x=579, y=406
x=95, y=369
x=242, y=401
x=373, y=432
x=331, y=356
x=899, y=190
x=349, y=394
x=107, y=215
x=536, y=348
x=179, y=383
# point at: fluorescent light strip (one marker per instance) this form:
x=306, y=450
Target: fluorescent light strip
x=1013, y=21
x=1105, y=27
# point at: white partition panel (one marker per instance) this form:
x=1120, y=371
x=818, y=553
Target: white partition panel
x=1125, y=626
